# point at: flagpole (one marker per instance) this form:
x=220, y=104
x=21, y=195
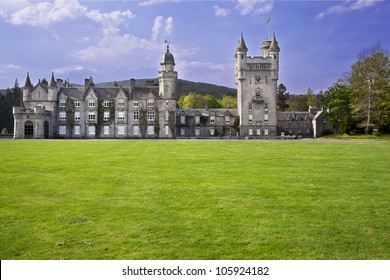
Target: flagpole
x=269, y=27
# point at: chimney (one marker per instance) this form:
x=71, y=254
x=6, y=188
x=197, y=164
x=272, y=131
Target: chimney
x=132, y=84
x=86, y=82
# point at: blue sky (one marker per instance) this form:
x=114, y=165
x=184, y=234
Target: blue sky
x=118, y=40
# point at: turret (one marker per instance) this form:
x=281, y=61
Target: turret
x=167, y=76
x=240, y=57
x=274, y=54
x=27, y=88
x=52, y=89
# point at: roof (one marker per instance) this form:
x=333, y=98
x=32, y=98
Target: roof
x=207, y=112
x=294, y=116
x=109, y=92
x=274, y=45
x=53, y=83
x=28, y=84
x=167, y=58
x=241, y=44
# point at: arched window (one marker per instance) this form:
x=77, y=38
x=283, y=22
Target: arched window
x=28, y=130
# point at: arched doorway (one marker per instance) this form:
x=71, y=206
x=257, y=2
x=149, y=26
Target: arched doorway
x=28, y=130
x=46, y=129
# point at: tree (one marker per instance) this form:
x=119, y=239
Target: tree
x=211, y=101
x=369, y=80
x=283, y=97
x=192, y=100
x=339, y=100
x=298, y=103
x=310, y=98
x=228, y=102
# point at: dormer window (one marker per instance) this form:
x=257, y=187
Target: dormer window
x=62, y=103
x=91, y=102
x=150, y=102
x=121, y=103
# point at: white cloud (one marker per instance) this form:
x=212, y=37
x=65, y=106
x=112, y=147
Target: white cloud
x=72, y=68
x=114, y=18
x=221, y=12
x=254, y=7
x=42, y=14
x=347, y=6
x=149, y=3
x=162, y=29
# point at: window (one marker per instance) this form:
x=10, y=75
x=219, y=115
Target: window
x=258, y=131
x=121, y=103
x=62, y=102
x=91, y=102
x=62, y=130
x=91, y=130
x=121, y=116
x=150, y=129
x=167, y=115
x=135, y=104
x=197, y=120
x=77, y=104
x=151, y=115
x=167, y=130
x=212, y=131
x=106, y=116
x=182, y=119
x=182, y=132
x=227, y=119
x=250, y=131
x=197, y=131
x=212, y=119
x=106, y=130
x=62, y=116
x=121, y=130
x=266, y=131
x=136, y=116
x=136, y=130
x=150, y=102
x=91, y=116
x=77, y=130
x=250, y=120
x=265, y=118
x=250, y=106
x=77, y=116
x=106, y=103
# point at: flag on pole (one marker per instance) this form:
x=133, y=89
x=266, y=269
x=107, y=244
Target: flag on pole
x=268, y=20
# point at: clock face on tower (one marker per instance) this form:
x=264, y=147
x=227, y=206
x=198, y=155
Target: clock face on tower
x=258, y=79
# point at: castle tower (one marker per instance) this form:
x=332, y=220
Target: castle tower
x=167, y=78
x=52, y=89
x=27, y=88
x=256, y=80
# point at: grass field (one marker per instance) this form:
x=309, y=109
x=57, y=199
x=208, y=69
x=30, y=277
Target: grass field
x=193, y=199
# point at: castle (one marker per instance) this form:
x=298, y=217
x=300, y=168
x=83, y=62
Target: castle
x=56, y=109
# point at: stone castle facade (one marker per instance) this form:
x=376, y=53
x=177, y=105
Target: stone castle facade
x=56, y=109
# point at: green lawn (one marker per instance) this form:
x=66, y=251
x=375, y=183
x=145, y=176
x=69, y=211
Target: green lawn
x=192, y=199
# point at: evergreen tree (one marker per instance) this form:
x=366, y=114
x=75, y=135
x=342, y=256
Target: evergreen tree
x=283, y=97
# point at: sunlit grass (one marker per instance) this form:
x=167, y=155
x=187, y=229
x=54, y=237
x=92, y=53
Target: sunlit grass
x=194, y=199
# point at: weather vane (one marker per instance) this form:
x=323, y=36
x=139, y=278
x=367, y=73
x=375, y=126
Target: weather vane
x=168, y=42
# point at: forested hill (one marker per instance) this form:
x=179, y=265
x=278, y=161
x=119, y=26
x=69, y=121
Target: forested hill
x=184, y=87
